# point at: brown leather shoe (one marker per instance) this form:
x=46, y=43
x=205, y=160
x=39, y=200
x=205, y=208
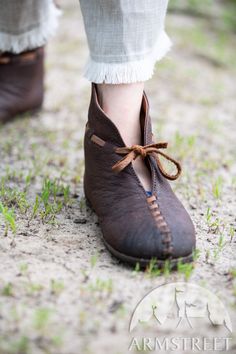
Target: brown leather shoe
x=136, y=227
x=21, y=83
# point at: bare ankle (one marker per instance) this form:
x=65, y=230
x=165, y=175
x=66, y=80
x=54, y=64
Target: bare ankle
x=122, y=105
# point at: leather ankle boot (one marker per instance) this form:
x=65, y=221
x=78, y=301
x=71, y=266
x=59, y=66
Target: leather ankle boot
x=136, y=226
x=21, y=83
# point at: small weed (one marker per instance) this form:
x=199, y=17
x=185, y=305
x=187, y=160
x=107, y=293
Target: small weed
x=137, y=268
x=152, y=269
x=231, y=233
x=196, y=254
x=167, y=269
x=229, y=16
x=8, y=290
x=13, y=198
x=208, y=216
x=28, y=180
x=102, y=286
x=35, y=208
x=66, y=195
x=183, y=144
x=209, y=165
x=8, y=218
x=186, y=269
x=33, y=288
x=57, y=340
x=234, y=290
x=50, y=208
x=212, y=125
x=57, y=287
x=93, y=260
x=232, y=272
x=48, y=204
x=233, y=181
x=82, y=204
x=217, y=187
x=220, y=246
x=213, y=223
x=24, y=268
x=20, y=346
x=41, y=318
x=221, y=242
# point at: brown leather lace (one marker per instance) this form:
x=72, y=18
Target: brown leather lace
x=131, y=153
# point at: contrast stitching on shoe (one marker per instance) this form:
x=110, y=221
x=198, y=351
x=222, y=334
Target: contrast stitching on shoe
x=94, y=138
x=161, y=225
x=154, y=208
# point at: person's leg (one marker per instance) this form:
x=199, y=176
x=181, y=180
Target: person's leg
x=126, y=38
x=25, y=27
x=122, y=65
x=122, y=103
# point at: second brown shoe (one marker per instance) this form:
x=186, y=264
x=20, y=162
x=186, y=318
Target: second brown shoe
x=136, y=226
x=21, y=83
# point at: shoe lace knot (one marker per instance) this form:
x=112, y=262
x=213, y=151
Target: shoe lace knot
x=131, y=153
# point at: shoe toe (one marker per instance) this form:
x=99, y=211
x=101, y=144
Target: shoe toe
x=182, y=232
x=134, y=237
x=183, y=239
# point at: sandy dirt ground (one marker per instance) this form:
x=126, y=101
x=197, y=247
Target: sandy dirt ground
x=61, y=292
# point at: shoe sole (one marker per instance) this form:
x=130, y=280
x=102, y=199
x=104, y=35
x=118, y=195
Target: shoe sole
x=143, y=262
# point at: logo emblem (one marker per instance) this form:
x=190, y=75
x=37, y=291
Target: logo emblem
x=175, y=309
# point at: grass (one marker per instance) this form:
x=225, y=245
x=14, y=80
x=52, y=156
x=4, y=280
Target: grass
x=101, y=286
x=232, y=272
x=207, y=9
x=232, y=233
x=41, y=318
x=220, y=246
x=51, y=205
x=8, y=290
x=214, y=223
x=183, y=145
x=94, y=259
x=48, y=203
x=217, y=187
x=153, y=270
x=57, y=287
x=8, y=217
x=15, y=346
x=214, y=45
x=12, y=197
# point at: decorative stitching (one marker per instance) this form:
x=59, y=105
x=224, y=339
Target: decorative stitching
x=94, y=138
x=154, y=208
x=161, y=225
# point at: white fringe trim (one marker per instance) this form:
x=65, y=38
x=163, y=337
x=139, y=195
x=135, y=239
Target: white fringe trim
x=128, y=72
x=34, y=38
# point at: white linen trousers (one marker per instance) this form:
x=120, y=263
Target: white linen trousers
x=125, y=37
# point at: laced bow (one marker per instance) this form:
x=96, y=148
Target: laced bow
x=131, y=153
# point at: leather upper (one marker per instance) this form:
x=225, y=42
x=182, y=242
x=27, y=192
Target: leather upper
x=131, y=223
x=21, y=83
